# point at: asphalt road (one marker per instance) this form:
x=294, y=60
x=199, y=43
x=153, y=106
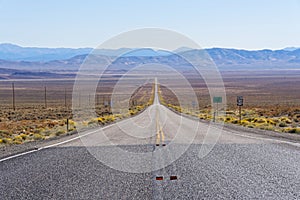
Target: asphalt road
x=155, y=155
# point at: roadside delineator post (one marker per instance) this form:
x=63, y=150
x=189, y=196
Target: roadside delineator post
x=67, y=124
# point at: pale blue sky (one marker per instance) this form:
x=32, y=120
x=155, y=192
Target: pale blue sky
x=253, y=24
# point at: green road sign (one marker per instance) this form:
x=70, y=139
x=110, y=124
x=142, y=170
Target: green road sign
x=217, y=99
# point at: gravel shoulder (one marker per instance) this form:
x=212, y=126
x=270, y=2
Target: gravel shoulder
x=253, y=131
x=9, y=150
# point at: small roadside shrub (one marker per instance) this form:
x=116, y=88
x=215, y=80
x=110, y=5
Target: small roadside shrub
x=110, y=118
x=271, y=122
x=93, y=121
x=118, y=116
x=38, y=130
x=4, y=133
x=139, y=108
x=60, y=132
x=235, y=121
x=47, y=132
x=269, y=128
x=248, y=119
x=260, y=120
x=18, y=137
x=282, y=124
x=202, y=116
x=286, y=120
x=266, y=127
x=245, y=122
x=101, y=120
x=6, y=141
x=292, y=130
x=37, y=136
x=17, y=141
x=228, y=119
x=187, y=112
x=23, y=136
x=131, y=112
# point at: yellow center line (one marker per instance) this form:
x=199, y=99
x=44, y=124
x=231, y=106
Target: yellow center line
x=157, y=130
x=157, y=138
x=160, y=137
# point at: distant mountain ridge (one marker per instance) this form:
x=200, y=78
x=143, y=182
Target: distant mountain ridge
x=67, y=59
x=13, y=52
x=291, y=48
x=234, y=57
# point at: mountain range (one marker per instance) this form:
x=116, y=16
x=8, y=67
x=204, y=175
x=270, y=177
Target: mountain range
x=28, y=59
x=12, y=52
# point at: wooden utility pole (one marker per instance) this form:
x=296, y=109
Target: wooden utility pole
x=13, y=96
x=45, y=97
x=65, y=98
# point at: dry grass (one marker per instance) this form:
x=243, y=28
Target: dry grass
x=32, y=121
x=271, y=100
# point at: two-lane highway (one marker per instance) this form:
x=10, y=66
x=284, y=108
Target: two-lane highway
x=240, y=166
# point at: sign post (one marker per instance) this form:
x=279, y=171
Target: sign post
x=216, y=100
x=240, y=103
x=194, y=105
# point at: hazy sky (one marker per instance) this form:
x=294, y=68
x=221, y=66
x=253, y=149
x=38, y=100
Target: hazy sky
x=253, y=24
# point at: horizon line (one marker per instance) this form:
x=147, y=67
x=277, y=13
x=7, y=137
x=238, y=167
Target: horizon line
x=208, y=47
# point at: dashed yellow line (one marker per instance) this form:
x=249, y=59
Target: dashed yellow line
x=157, y=130
x=160, y=137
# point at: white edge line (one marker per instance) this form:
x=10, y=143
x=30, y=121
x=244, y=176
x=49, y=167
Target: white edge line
x=262, y=138
x=53, y=145
x=60, y=143
x=17, y=155
x=270, y=139
x=252, y=137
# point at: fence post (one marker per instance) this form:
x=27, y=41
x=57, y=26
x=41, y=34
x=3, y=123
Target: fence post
x=45, y=98
x=65, y=98
x=13, y=96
